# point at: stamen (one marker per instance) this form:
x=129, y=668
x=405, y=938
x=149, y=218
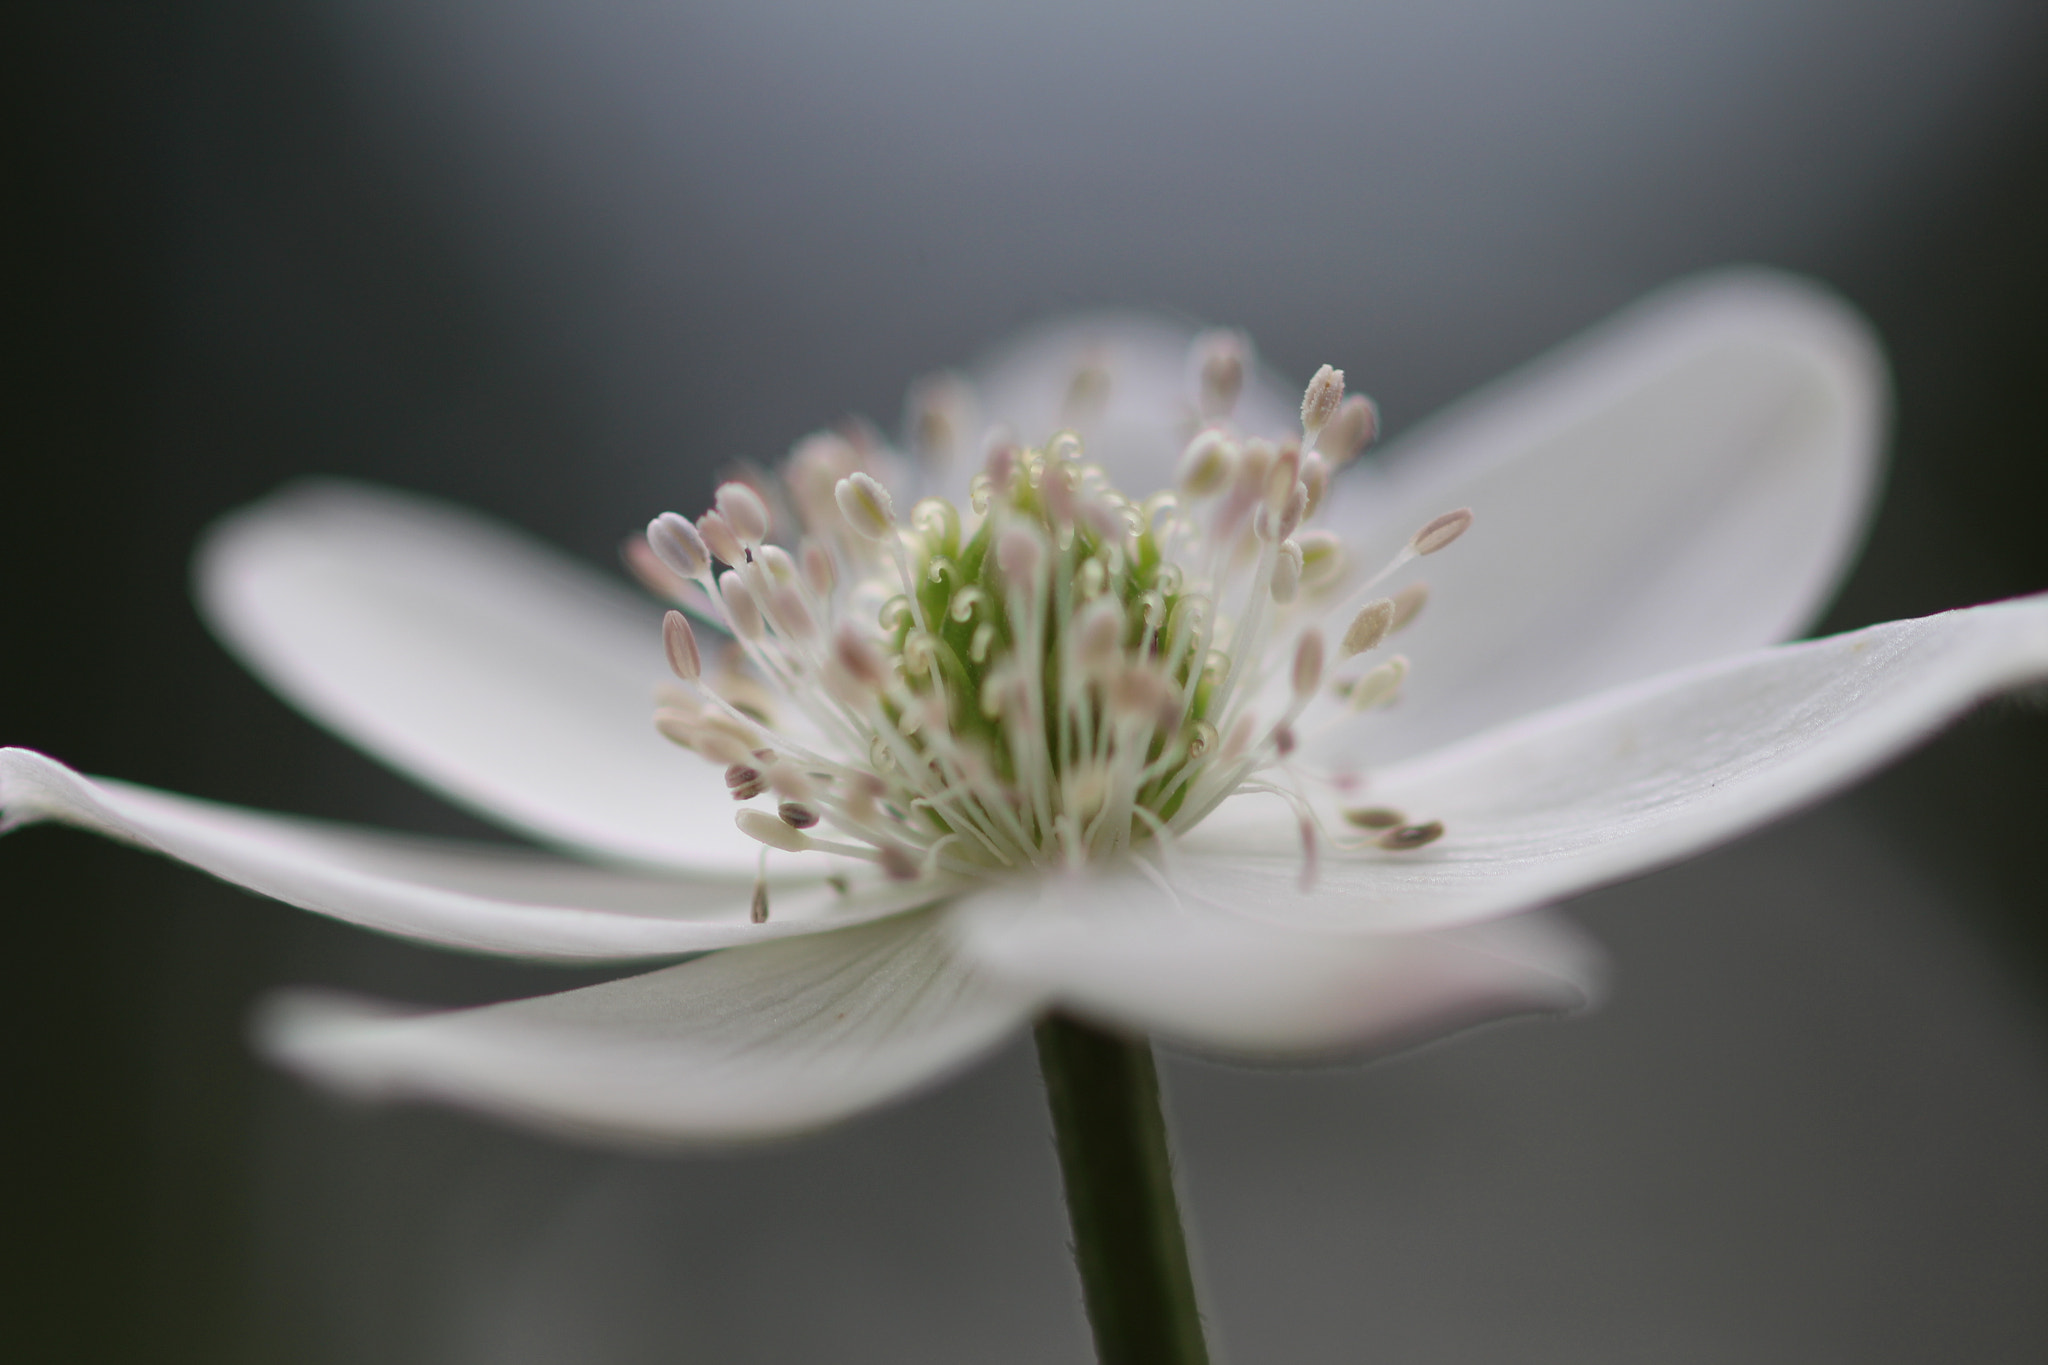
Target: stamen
x=1409, y=837
x=719, y=538
x=744, y=783
x=758, y=912
x=1350, y=431
x=1319, y=402
x=1441, y=531
x=760, y=825
x=1378, y=686
x=1375, y=817
x=680, y=643
x=1369, y=627
x=796, y=815
x=1407, y=602
x=866, y=506
x=743, y=511
x=678, y=546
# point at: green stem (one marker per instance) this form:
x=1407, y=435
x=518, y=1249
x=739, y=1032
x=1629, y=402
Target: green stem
x=1128, y=1244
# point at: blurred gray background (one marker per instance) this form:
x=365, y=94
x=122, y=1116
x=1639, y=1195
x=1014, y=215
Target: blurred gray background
x=560, y=260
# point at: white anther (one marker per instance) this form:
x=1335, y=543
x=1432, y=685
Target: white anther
x=1369, y=627
x=1281, y=476
x=1101, y=635
x=1322, y=558
x=776, y=563
x=866, y=506
x=719, y=539
x=1239, y=739
x=1287, y=572
x=1407, y=603
x=941, y=414
x=677, y=545
x=1290, y=518
x=820, y=574
x=1315, y=478
x=1000, y=463
x=776, y=833
x=1206, y=465
x=860, y=658
x=1319, y=402
x=743, y=510
x=1440, y=531
x=719, y=745
x=792, y=615
x=788, y=781
x=681, y=644
x=1308, y=664
x=1351, y=430
x=1020, y=549
x=742, y=612
x=1379, y=685
x=677, y=727
x=1220, y=358
x=1142, y=693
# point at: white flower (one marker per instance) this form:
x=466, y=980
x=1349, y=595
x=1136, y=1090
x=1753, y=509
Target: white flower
x=1055, y=741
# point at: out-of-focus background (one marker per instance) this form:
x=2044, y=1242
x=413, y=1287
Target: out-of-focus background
x=560, y=260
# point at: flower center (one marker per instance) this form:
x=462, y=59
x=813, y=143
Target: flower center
x=1055, y=674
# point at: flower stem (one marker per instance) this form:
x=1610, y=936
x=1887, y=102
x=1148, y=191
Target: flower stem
x=1128, y=1243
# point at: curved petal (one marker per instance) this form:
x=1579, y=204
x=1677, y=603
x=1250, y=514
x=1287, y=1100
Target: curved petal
x=1687, y=480
x=1138, y=424
x=1634, y=778
x=751, y=1043
x=515, y=681
x=472, y=896
x=1119, y=948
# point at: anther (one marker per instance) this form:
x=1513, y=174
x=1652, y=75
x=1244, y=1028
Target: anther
x=1287, y=564
x=1379, y=685
x=820, y=574
x=796, y=815
x=719, y=539
x=680, y=642
x=1220, y=361
x=1283, y=740
x=677, y=727
x=1319, y=403
x=741, y=610
x=1440, y=531
x=677, y=545
x=1322, y=557
x=745, y=783
x=1019, y=551
x=860, y=658
x=866, y=506
x=1351, y=429
x=1375, y=817
x=1407, y=603
x=772, y=831
x=1309, y=860
x=758, y=912
x=1369, y=627
x=1308, y=664
x=896, y=862
x=743, y=510
x=1405, y=837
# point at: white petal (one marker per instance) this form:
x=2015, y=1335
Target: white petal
x=514, y=680
x=1139, y=432
x=498, y=900
x=1634, y=778
x=749, y=1043
x=1118, y=948
x=1687, y=480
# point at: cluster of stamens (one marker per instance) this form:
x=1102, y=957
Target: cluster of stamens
x=1056, y=675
